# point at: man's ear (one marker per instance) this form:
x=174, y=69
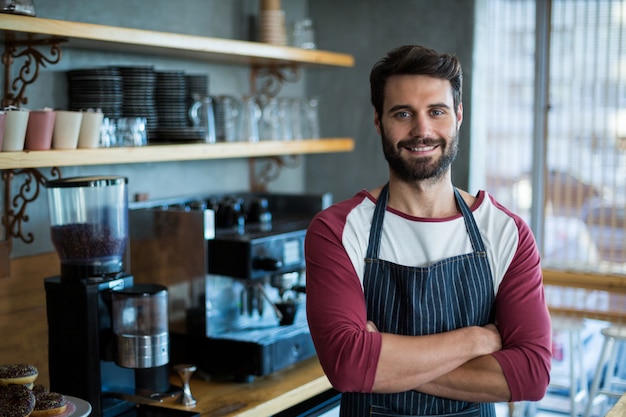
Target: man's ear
x=377, y=121
x=459, y=115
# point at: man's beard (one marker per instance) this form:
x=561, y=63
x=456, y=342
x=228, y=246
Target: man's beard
x=415, y=169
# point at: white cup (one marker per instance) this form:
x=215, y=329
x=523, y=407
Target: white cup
x=89, y=135
x=66, y=129
x=15, y=130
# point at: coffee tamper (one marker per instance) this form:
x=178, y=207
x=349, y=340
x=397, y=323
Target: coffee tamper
x=185, y=371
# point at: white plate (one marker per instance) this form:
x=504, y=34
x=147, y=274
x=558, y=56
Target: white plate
x=81, y=408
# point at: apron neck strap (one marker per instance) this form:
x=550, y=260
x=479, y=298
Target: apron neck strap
x=379, y=213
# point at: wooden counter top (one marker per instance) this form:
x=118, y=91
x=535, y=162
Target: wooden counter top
x=273, y=393
x=265, y=396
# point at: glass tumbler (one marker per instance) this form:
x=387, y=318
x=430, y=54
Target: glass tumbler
x=249, y=118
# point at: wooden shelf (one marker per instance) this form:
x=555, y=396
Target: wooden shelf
x=162, y=153
x=16, y=28
x=33, y=30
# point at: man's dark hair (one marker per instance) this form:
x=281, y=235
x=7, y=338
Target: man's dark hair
x=415, y=60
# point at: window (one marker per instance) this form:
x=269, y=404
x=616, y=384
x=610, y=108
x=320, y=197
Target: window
x=562, y=164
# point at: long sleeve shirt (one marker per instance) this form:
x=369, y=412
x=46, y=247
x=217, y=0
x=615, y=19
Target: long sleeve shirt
x=335, y=248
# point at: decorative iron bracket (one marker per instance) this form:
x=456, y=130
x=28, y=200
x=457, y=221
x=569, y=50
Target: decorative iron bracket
x=269, y=169
x=273, y=78
x=14, y=90
x=266, y=82
x=15, y=206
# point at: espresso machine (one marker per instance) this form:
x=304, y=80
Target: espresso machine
x=234, y=265
x=108, y=338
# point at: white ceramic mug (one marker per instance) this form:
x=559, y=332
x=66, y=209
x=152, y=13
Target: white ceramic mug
x=15, y=130
x=66, y=129
x=3, y=119
x=89, y=135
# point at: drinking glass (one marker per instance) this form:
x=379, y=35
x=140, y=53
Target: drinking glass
x=270, y=128
x=284, y=118
x=249, y=117
x=226, y=111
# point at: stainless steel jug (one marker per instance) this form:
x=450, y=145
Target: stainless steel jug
x=25, y=7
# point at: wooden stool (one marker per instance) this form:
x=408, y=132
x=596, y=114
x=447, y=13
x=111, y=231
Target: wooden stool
x=607, y=370
x=575, y=379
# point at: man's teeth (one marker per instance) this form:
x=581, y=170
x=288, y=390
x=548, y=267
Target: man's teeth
x=423, y=148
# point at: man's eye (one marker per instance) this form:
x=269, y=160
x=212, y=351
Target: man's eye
x=437, y=112
x=403, y=115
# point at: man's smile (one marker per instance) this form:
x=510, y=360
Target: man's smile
x=422, y=148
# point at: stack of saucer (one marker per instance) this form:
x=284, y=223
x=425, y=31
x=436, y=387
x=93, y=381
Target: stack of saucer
x=96, y=88
x=272, y=28
x=197, y=84
x=171, y=107
x=197, y=88
x=139, y=84
x=171, y=99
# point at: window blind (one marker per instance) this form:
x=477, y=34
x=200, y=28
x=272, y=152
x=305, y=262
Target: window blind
x=584, y=172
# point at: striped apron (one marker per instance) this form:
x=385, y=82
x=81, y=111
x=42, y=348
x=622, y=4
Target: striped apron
x=450, y=294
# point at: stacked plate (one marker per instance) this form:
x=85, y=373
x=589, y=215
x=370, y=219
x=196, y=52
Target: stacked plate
x=197, y=84
x=163, y=98
x=97, y=88
x=172, y=107
x=138, y=85
x=197, y=88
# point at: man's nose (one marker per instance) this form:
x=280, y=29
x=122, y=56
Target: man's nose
x=420, y=126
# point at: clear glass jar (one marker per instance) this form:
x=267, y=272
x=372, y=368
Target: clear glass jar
x=89, y=224
x=304, y=34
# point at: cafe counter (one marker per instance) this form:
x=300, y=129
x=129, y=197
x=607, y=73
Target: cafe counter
x=265, y=396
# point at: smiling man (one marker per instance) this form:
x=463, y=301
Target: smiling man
x=423, y=299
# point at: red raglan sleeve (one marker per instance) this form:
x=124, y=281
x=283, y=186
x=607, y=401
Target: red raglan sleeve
x=524, y=323
x=336, y=309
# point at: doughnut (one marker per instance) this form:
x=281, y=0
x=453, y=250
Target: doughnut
x=18, y=373
x=48, y=404
x=16, y=401
x=39, y=389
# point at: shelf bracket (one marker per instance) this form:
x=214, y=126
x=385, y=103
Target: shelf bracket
x=15, y=206
x=14, y=90
x=273, y=78
x=268, y=169
x=266, y=82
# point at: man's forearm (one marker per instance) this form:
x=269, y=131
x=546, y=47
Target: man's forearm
x=478, y=380
x=407, y=362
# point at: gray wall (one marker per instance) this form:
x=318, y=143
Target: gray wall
x=366, y=29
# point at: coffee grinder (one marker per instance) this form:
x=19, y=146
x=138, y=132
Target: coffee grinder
x=108, y=339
